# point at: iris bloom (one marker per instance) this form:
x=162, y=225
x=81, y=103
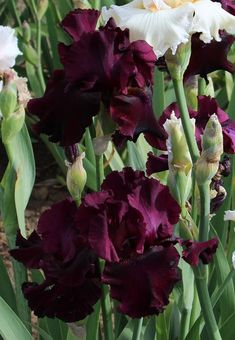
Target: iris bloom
x=100, y=66
x=165, y=24
x=8, y=48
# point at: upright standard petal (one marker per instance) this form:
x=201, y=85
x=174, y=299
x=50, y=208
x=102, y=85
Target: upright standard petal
x=80, y=21
x=161, y=29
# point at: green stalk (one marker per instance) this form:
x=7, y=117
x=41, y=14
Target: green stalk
x=205, y=302
x=137, y=329
x=20, y=276
x=186, y=122
x=15, y=12
x=201, y=86
x=158, y=92
x=204, y=191
x=184, y=323
x=106, y=306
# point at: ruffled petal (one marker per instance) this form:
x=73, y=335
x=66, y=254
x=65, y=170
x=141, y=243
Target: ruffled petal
x=80, y=21
x=8, y=48
x=196, y=251
x=156, y=273
x=160, y=29
x=209, y=19
x=156, y=163
x=60, y=107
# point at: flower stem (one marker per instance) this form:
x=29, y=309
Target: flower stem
x=187, y=126
x=205, y=302
x=137, y=329
x=105, y=299
x=158, y=92
x=204, y=191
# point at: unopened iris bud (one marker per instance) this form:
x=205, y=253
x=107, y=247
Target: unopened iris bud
x=12, y=124
x=76, y=178
x=233, y=259
x=212, y=148
x=26, y=32
x=179, y=160
x=177, y=63
x=8, y=97
x=191, y=92
x=229, y=215
x=42, y=8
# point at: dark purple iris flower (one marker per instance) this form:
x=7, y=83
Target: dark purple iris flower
x=100, y=66
x=72, y=280
x=207, y=106
x=156, y=163
x=128, y=224
x=196, y=251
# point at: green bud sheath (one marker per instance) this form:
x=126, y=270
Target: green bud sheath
x=212, y=149
x=8, y=99
x=76, y=178
x=177, y=63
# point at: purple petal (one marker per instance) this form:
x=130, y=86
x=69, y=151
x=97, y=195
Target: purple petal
x=206, y=58
x=156, y=163
x=29, y=252
x=80, y=21
x=143, y=284
x=199, y=250
x=61, y=107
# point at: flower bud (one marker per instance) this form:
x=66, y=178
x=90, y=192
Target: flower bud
x=212, y=148
x=177, y=63
x=30, y=53
x=179, y=160
x=12, y=124
x=8, y=98
x=191, y=92
x=26, y=32
x=42, y=8
x=76, y=177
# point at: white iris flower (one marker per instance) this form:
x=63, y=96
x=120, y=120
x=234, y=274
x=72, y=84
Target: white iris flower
x=165, y=24
x=8, y=48
x=229, y=215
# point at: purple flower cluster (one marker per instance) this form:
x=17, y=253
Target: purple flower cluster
x=129, y=224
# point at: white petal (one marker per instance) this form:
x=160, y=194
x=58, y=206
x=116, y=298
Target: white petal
x=233, y=259
x=209, y=18
x=162, y=29
x=8, y=48
x=229, y=215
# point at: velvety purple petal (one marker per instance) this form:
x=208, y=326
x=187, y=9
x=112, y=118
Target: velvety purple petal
x=143, y=284
x=56, y=227
x=144, y=59
x=121, y=183
x=64, y=112
x=67, y=303
x=156, y=163
x=29, y=251
x=134, y=115
x=229, y=136
x=206, y=58
x=157, y=207
x=80, y=21
x=93, y=224
x=105, y=60
x=196, y=251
